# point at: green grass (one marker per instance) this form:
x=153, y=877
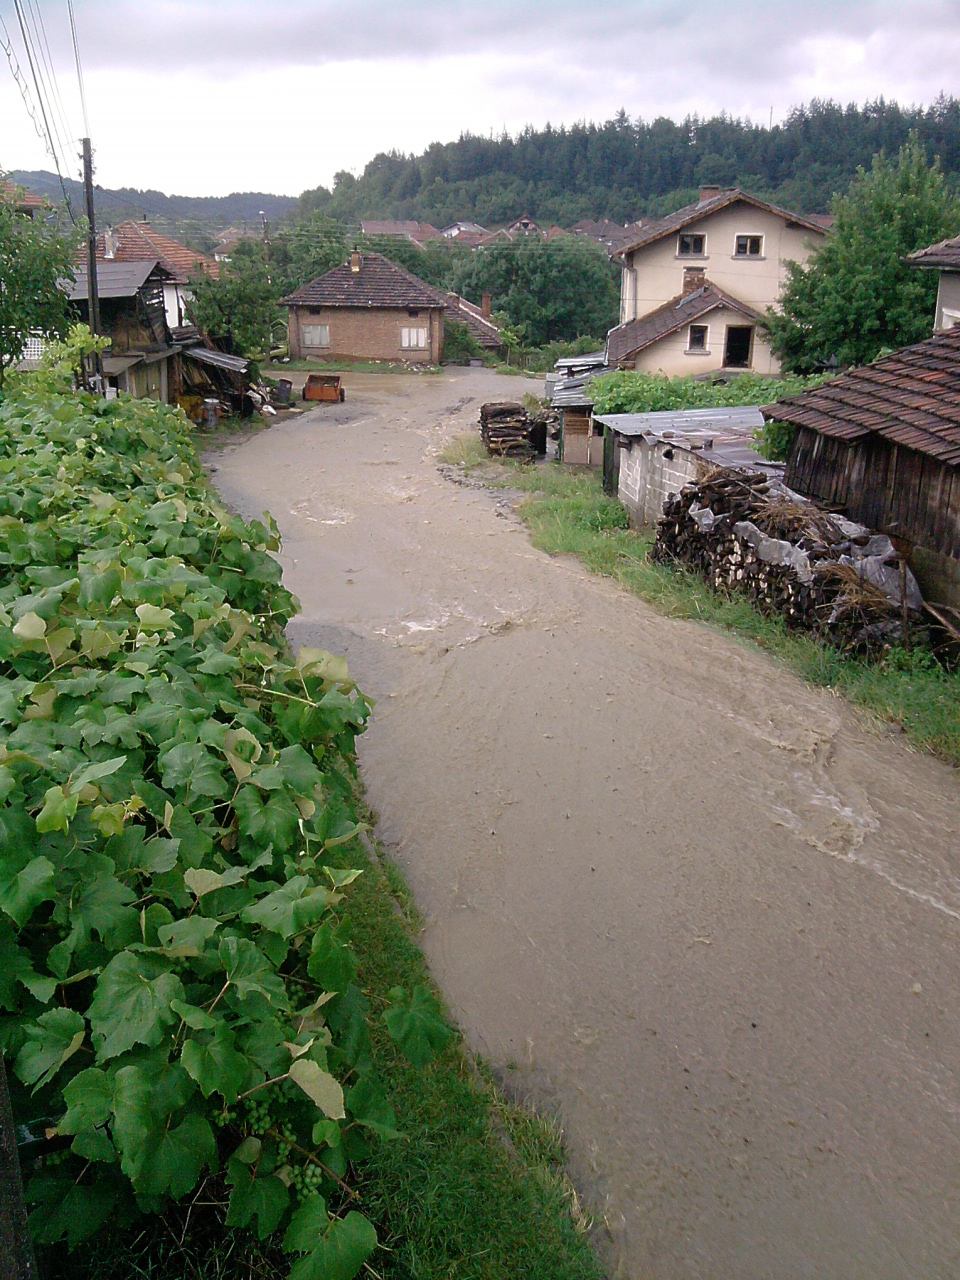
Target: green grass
x=474, y=1189
x=347, y=366
x=567, y=513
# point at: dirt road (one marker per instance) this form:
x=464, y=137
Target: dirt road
x=711, y=916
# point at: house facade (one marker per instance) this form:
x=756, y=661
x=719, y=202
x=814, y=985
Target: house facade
x=139, y=242
x=945, y=258
x=731, y=250
x=367, y=309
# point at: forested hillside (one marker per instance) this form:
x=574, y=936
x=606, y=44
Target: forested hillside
x=626, y=169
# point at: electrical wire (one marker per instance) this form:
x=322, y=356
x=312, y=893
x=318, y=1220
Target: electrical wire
x=69, y=137
x=76, y=51
x=43, y=112
x=46, y=89
x=20, y=82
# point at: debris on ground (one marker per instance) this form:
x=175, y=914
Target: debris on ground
x=745, y=531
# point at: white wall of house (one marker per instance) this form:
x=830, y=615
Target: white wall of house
x=948, y=301
x=672, y=355
x=175, y=304
x=756, y=280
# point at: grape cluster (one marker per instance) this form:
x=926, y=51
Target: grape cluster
x=259, y=1118
x=226, y=1117
x=307, y=1179
x=285, y=1142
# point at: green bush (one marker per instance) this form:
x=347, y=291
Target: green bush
x=626, y=391
x=459, y=344
x=178, y=995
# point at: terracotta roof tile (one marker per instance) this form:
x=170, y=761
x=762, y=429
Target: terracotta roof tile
x=138, y=241
x=945, y=254
x=378, y=283
x=636, y=335
x=911, y=397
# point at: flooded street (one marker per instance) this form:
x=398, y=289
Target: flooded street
x=707, y=915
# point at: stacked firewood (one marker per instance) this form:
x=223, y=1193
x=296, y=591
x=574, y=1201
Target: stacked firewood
x=743, y=531
x=507, y=430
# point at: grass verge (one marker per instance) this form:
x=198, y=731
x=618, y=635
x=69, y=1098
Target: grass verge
x=567, y=513
x=347, y=366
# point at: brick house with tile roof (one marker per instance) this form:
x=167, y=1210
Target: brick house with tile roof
x=729, y=241
x=367, y=309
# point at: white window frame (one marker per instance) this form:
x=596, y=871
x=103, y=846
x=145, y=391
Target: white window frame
x=691, y=235
x=316, y=330
x=698, y=351
x=414, y=337
x=748, y=236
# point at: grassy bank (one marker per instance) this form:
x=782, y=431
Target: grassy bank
x=567, y=513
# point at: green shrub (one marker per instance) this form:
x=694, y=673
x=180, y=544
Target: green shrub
x=177, y=990
x=627, y=391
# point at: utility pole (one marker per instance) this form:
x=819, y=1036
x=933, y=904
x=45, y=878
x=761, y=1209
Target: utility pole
x=93, y=296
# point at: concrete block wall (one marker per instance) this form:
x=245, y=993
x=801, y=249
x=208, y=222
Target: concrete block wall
x=648, y=476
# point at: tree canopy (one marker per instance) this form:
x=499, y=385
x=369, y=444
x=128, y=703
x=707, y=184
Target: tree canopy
x=857, y=295
x=625, y=168
x=35, y=256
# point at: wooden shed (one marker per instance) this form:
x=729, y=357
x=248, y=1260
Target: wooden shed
x=882, y=445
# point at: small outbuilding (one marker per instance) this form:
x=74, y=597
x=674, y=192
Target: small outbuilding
x=882, y=445
x=367, y=309
x=569, y=393
x=649, y=457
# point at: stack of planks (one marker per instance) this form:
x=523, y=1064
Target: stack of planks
x=507, y=431
x=744, y=531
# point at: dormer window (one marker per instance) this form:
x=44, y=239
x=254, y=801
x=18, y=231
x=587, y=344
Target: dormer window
x=749, y=247
x=691, y=246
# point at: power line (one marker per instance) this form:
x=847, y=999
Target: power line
x=76, y=51
x=56, y=161
x=20, y=82
x=69, y=136
x=43, y=75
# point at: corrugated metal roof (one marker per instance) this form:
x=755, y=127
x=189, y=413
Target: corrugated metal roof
x=744, y=419
x=116, y=279
x=234, y=364
x=911, y=397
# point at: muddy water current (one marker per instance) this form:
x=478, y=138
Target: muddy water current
x=708, y=916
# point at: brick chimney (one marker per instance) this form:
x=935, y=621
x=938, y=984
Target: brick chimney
x=694, y=278
x=709, y=193
x=485, y=306
x=355, y=261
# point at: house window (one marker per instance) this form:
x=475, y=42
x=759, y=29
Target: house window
x=691, y=246
x=749, y=246
x=415, y=338
x=315, y=335
x=697, y=338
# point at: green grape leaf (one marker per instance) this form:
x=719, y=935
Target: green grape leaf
x=331, y=964
x=131, y=1004
x=264, y=1198
x=74, y=1211
x=290, y=909
x=368, y=1105
x=307, y=1226
x=22, y=891
x=417, y=1025
x=345, y=1246
x=177, y=1157
x=58, y=809
x=94, y=1145
x=217, y=1067
x=249, y=970
x=51, y=1041
x=89, y=1099
x=187, y=936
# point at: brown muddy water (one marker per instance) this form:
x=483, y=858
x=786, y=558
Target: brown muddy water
x=708, y=915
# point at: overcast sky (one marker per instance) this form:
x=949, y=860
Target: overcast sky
x=204, y=97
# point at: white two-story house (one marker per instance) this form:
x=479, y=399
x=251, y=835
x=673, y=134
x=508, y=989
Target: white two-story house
x=696, y=283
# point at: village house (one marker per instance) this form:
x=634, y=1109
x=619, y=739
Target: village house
x=882, y=444
x=367, y=309
x=945, y=258
x=695, y=284
x=139, y=242
x=418, y=233
x=24, y=201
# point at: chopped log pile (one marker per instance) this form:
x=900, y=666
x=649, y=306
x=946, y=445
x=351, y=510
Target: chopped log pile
x=508, y=431
x=744, y=531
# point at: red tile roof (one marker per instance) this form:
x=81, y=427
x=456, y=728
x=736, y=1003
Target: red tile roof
x=378, y=283
x=25, y=200
x=628, y=339
x=694, y=212
x=911, y=397
x=138, y=241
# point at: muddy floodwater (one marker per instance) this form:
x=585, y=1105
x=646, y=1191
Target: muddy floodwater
x=709, y=916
